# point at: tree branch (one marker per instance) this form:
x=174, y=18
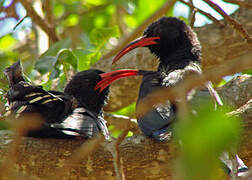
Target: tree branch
x=203, y=12
x=39, y=21
x=232, y=22
x=240, y=2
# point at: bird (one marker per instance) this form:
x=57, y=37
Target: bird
x=23, y=98
x=178, y=50
x=86, y=120
x=179, y=53
x=76, y=112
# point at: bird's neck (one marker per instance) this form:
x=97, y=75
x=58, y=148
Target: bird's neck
x=178, y=60
x=92, y=103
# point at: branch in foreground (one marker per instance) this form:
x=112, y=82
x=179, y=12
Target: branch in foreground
x=39, y=21
x=193, y=81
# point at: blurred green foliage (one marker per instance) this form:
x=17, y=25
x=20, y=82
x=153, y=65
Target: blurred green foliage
x=204, y=137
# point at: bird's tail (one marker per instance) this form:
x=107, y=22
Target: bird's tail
x=14, y=73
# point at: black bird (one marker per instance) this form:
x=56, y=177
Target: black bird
x=78, y=111
x=24, y=97
x=87, y=118
x=179, y=52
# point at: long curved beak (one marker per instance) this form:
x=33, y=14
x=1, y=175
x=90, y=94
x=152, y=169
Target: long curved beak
x=140, y=42
x=108, y=78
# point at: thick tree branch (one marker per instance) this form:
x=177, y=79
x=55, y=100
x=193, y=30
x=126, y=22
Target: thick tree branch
x=39, y=21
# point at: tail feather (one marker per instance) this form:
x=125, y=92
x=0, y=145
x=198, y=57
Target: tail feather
x=14, y=73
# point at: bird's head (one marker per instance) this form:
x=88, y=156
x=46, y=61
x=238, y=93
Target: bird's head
x=82, y=88
x=165, y=37
x=91, y=87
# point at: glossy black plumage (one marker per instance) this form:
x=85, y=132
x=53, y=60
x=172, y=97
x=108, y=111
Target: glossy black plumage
x=57, y=108
x=87, y=118
x=179, y=53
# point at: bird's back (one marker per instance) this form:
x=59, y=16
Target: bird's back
x=158, y=122
x=83, y=123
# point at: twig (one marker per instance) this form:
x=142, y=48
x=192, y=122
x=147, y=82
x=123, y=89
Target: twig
x=224, y=69
x=204, y=13
x=118, y=158
x=118, y=116
x=115, y=151
x=241, y=3
x=119, y=14
x=48, y=11
x=169, y=4
x=19, y=22
x=192, y=14
x=39, y=21
x=232, y=22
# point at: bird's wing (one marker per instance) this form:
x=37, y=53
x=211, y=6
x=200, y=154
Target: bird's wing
x=82, y=123
x=156, y=123
x=26, y=98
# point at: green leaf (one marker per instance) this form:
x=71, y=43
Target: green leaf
x=72, y=20
x=55, y=73
x=127, y=111
x=95, y=57
x=61, y=82
x=99, y=36
x=114, y=131
x=142, y=11
x=84, y=58
x=221, y=83
x=7, y=42
x=6, y=59
x=4, y=125
x=248, y=72
x=66, y=56
x=56, y=47
x=95, y=2
x=204, y=137
x=45, y=64
x=58, y=10
x=47, y=85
